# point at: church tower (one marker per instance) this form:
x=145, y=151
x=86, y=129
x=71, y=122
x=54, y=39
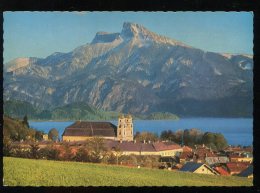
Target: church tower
x=125, y=128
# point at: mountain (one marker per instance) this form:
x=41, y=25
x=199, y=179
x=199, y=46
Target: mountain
x=136, y=71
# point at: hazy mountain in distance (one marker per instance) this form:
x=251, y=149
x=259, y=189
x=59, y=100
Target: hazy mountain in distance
x=136, y=71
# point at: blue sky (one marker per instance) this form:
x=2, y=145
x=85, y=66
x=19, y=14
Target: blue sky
x=39, y=34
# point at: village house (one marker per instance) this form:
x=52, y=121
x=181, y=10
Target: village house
x=236, y=167
x=216, y=160
x=246, y=152
x=162, y=149
x=45, y=137
x=198, y=168
x=199, y=154
x=82, y=130
x=240, y=158
x=248, y=172
x=186, y=156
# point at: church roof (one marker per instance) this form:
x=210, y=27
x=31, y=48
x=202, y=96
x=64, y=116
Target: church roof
x=84, y=128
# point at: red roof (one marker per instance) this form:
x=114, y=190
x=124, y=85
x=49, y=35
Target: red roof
x=162, y=146
x=202, y=153
x=144, y=147
x=130, y=146
x=186, y=155
x=222, y=171
x=84, y=128
x=187, y=149
x=237, y=167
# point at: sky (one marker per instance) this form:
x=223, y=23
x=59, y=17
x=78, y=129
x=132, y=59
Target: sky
x=39, y=34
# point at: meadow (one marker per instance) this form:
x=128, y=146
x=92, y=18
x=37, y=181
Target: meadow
x=28, y=172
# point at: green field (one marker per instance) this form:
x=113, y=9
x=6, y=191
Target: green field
x=28, y=172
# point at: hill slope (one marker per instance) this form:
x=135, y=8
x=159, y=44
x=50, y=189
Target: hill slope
x=75, y=111
x=26, y=172
x=136, y=71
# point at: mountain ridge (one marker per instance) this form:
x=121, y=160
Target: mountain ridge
x=139, y=72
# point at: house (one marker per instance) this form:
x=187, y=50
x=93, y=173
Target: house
x=198, y=168
x=167, y=149
x=186, y=156
x=240, y=158
x=201, y=152
x=45, y=137
x=236, y=167
x=248, y=172
x=82, y=130
x=138, y=148
x=238, y=150
x=216, y=160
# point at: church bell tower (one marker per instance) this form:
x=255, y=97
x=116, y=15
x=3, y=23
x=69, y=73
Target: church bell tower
x=125, y=128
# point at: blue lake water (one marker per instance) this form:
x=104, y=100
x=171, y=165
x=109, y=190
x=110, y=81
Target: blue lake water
x=237, y=131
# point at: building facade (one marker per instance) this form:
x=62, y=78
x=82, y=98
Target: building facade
x=125, y=128
x=83, y=130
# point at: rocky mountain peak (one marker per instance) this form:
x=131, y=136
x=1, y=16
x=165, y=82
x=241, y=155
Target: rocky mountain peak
x=131, y=30
x=17, y=63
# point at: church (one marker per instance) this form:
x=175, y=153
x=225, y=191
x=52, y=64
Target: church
x=82, y=130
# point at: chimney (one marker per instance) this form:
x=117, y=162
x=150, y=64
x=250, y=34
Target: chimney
x=203, y=145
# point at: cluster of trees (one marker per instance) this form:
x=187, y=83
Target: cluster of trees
x=19, y=130
x=92, y=150
x=189, y=137
x=146, y=136
x=192, y=137
x=162, y=116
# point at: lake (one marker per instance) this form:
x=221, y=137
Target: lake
x=237, y=131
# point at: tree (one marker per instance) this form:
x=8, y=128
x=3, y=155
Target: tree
x=39, y=135
x=96, y=149
x=168, y=135
x=34, y=151
x=25, y=121
x=220, y=141
x=117, y=152
x=82, y=155
x=214, y=140
x=53, y=134
x=7, y=146
x=147, y=136
x=179, y=136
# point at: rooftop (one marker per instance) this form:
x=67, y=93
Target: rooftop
x=83, y=128
x=191, y=166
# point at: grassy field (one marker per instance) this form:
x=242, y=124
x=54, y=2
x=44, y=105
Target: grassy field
x=27, y=172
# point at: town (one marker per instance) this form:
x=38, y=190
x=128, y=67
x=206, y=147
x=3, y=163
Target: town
x=103, y=142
